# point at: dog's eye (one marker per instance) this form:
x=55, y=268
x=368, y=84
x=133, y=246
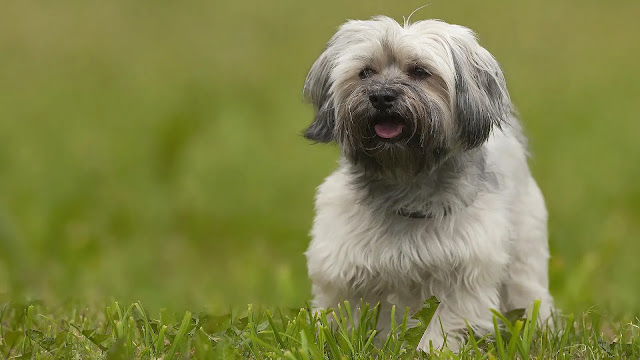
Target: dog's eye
x=419, y=72
x=366, y=73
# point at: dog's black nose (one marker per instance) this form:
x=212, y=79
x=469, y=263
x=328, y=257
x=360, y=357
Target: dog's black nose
x=382, y=99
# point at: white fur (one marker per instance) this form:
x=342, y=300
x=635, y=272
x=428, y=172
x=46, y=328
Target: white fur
x=489, y=254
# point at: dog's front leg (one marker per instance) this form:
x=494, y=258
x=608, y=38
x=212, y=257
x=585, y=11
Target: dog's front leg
x=448, y=325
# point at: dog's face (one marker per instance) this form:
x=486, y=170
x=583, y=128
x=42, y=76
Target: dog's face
x=400, y=99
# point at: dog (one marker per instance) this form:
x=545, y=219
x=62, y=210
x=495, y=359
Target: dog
x=432, y=195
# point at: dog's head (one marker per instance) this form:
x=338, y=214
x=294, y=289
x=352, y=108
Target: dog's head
x=402, y=98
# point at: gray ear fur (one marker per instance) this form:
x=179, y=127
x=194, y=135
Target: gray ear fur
x=316, y=90
x=482, y=99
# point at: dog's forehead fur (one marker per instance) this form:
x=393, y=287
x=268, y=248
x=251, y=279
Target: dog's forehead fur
x=382, y=43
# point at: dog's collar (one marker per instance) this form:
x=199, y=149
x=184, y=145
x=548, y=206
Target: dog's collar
x=413, y=214
x=421, y=215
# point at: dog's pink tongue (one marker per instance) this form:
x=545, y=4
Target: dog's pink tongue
x=388, y=129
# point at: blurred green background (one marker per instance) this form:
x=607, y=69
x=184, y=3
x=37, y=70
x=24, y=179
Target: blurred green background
x=151, y=150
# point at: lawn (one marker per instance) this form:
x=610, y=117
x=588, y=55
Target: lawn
x=151, y=153
x=30, y=331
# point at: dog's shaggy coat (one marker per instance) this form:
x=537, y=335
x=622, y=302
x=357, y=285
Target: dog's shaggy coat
x=433, y=194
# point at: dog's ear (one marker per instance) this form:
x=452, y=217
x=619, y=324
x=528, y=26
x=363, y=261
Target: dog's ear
x=481, y=97
x=316, y=90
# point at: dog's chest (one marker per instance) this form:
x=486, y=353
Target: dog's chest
x=402, y=250
x=357, y=248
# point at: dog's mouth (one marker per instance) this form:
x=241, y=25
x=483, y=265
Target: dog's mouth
x=389, y=127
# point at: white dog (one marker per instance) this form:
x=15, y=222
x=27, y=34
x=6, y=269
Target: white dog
x=433, y=194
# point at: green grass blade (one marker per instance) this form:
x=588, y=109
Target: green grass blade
x=332, y=344
x=515, y=340
x=149, y=335
x=275, y=330
x=304, y=346
x=499, y=342
x=567, y=330
x=179, y=335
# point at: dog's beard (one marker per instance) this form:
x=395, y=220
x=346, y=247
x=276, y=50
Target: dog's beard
x=419, y=147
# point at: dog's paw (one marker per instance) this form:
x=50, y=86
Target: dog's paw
x=436, y=340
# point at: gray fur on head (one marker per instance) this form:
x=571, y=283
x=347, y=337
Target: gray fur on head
x=482, y=99
x=451, y=109
x=316, y=89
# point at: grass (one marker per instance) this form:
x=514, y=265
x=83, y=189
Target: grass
x=33, y=331
x=150, y=152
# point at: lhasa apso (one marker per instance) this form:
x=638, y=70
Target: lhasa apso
x=433, y=195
